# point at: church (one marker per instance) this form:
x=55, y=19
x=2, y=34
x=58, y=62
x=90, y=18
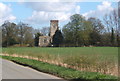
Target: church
x=47, y=40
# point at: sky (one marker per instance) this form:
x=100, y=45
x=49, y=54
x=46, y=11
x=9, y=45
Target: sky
x=39, y=14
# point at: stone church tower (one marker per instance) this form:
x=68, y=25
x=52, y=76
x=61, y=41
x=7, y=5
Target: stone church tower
x=53, y=27
x=47, y=40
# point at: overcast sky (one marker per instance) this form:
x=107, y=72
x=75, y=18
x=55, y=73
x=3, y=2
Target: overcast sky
x=38, y=14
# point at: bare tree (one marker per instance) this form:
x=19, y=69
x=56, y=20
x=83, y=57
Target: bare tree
x=9, y=33
x=22, y=29
x=45, y=31
x=25, y=34
x=111, y=22
x=106, y=21
x=28, y=38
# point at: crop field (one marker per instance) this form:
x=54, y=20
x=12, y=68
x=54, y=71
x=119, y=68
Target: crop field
x=91, y=59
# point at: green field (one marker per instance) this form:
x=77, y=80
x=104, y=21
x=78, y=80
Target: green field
x=62, y=50
x=94, y=59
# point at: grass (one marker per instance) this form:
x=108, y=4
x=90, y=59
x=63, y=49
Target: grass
x=62, y=51
x=66, y=73
x=91, y=59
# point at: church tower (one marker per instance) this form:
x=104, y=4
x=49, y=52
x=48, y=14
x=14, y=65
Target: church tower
x=53, y=27
x=47, y=40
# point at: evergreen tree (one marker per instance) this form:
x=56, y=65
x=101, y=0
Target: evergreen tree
x=112, y=37
x=57, y=38
x=118, y=40
x=36, y=40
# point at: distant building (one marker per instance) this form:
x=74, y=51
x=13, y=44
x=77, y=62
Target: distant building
x=47, y=40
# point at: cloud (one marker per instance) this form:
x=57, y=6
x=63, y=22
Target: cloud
x=5, y=13
x=77, y=10
x=51, y=6
x=43, y=17
x=102, y=9
x=45, y=11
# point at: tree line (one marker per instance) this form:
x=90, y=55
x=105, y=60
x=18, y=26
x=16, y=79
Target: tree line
x=20, y=33
x=79, y=31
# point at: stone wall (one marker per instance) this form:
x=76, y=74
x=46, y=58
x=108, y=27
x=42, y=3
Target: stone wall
x=44, y=41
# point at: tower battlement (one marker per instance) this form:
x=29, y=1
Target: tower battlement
x=53, y=20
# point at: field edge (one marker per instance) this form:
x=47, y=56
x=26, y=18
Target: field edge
x=62, y=72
